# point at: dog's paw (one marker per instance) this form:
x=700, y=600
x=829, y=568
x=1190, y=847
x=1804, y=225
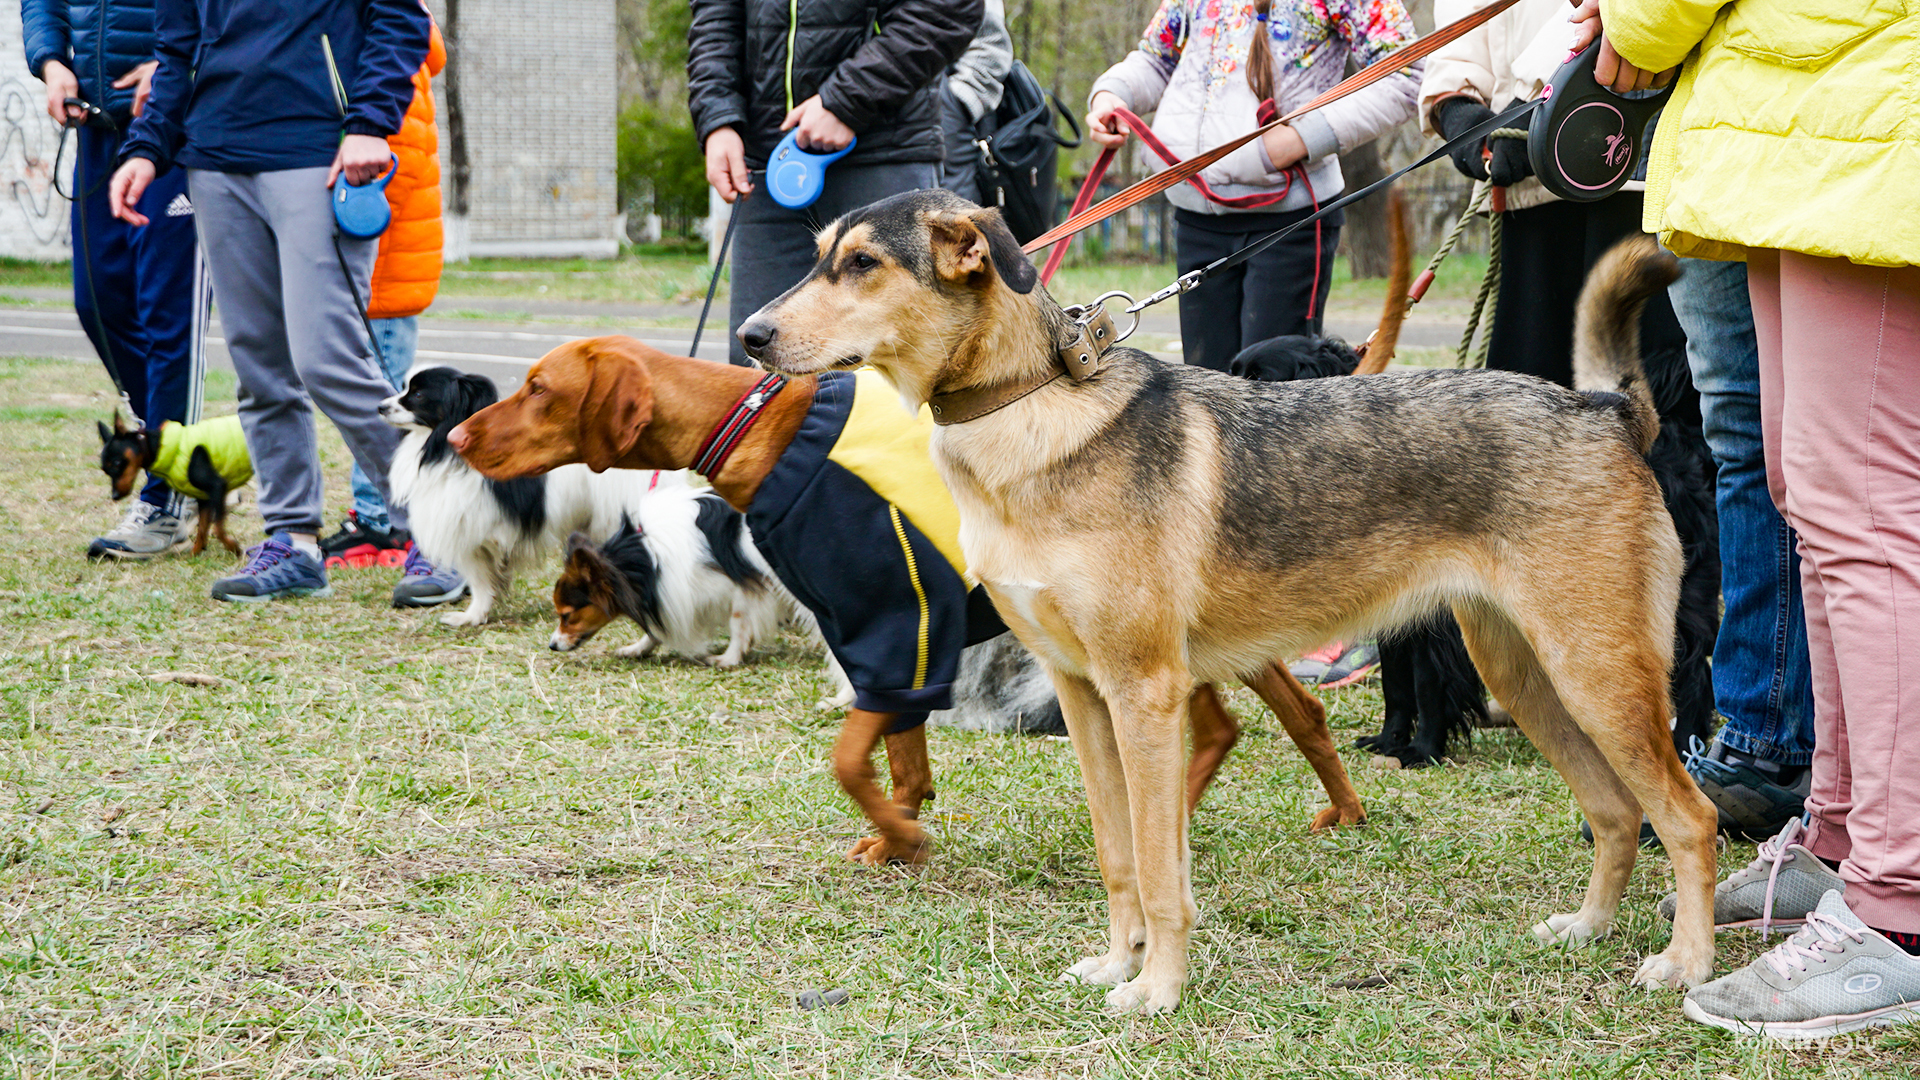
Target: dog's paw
x=722, y=660
x=1572, y=931
x=1663, y=970
x=639, y=650
x=837, y=701
x=1338, y=816
x=464, y=618
x=881, y=850
x=1143, y=996
x=1107, y=969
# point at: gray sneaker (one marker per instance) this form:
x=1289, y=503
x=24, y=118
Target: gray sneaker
x=1834, y=976
x=1777, y=889
x=146, y=530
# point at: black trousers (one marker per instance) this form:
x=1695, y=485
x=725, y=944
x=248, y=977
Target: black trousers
x=1267, y=296
x=1545, y=253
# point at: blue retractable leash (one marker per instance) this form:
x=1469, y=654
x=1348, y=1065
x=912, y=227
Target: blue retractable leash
x=359, y=210
x=794, y=178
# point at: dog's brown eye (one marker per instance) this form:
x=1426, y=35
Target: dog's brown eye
x=864, y=261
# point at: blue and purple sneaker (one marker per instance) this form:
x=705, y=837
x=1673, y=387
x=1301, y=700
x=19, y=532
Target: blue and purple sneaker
x=274, y=569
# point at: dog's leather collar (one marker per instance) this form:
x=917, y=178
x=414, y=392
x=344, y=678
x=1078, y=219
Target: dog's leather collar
x=733, y=427
x=1078, y=360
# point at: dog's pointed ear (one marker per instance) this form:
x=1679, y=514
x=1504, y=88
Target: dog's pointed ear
x=121, y=427
x=967, y=246
x=106, y=433
x=619, y=402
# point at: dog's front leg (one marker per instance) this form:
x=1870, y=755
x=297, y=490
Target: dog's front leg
x=488, y=581
x=1149, y=726
x=900, y=838
x=1305, y=720
x=739, y=635
x=1091, y=728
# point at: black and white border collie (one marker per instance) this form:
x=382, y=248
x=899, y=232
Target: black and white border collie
x=488, y=530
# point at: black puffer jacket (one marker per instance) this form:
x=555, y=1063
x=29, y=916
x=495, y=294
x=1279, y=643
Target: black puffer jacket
x=750, y=61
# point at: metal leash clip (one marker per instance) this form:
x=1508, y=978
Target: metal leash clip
x=1084, y=314
x=1186, y=282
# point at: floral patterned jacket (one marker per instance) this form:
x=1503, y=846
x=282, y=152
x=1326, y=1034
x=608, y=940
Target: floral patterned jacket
x=1190, y=71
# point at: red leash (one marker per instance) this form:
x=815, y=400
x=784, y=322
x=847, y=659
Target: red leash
x=1140, y=127
x=1161, y=181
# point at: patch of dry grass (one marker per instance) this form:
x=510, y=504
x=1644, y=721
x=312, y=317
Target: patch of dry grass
x=379, y=847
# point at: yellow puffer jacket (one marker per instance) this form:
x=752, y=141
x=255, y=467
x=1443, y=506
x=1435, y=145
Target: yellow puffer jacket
x=407, y=272
x=1796, y=125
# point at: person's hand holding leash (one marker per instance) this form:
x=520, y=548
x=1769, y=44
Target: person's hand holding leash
x=61, y=85
x=819, y=128
x=129, y=183
x=1285, y=147
x=361, y=158
x=1610, y=70
x=1101, y=125
x=140, y=77
x=727, y=164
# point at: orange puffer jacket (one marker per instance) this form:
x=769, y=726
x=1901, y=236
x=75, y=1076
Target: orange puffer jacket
x=408, y=271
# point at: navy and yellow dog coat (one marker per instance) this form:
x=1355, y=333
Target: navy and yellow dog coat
x=859, y=527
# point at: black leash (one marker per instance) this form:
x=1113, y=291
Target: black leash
x=84, y=257
x=1191, y=280
x=359, y=308
x=713, y=283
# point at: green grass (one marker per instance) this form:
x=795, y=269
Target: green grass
x=381, y=847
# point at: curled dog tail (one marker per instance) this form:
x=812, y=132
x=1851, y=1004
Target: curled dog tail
x=1606, y=329
x=1386, y=340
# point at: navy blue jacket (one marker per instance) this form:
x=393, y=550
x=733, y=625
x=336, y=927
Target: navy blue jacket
x=243, y=85
x=100, y=41
x=893, y=610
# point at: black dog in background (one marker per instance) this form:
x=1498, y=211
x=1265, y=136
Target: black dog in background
x=1434, y=696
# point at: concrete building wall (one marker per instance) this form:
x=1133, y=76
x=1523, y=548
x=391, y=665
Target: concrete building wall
x=536, y=87
x=33, y=218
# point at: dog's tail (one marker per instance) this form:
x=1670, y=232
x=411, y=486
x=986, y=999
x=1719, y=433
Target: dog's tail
x=1606, y=333
x=1386, y=340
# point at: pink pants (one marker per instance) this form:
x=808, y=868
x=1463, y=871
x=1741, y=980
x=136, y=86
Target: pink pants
x=1840, y=407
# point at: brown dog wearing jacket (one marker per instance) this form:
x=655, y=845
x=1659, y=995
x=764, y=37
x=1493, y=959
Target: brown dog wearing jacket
x=1144, y=526
x=614, y=403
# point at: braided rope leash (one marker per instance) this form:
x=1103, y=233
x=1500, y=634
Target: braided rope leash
x=1487, y=302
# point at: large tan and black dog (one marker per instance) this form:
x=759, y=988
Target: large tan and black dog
x=1143, y=526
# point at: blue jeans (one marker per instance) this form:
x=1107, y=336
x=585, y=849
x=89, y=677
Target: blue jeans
x=397, y=339
x=1760, y=674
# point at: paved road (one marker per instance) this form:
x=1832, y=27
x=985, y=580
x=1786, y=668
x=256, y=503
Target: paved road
x=503, y=349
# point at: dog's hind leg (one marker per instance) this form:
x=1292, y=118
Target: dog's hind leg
x=213, y=509
x=1149, y=710
x=1215, y=730
x=1305, y=719
x=1090, y=727
x=1599, y=718
x=900, y=838
x=739, y=634
x=1514, y=673
x=200, y=527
